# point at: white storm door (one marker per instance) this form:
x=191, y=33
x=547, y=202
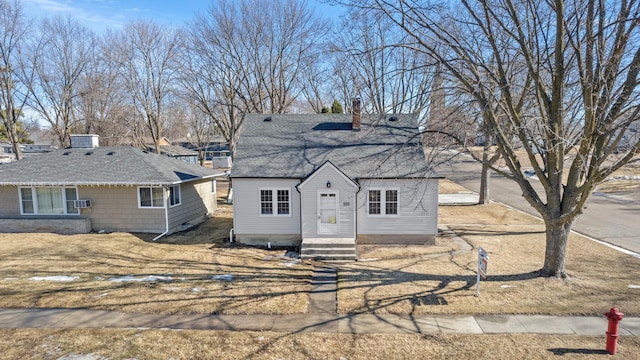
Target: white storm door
x=327, y=213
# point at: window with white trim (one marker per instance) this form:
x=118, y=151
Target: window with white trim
x=391, y=202
x=383, y=202
x=275, y=202
x=174, y=195
x=151, y=197
x=374, y=202
x=48, y=200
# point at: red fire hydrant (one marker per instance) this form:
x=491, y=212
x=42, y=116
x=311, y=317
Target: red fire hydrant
x=614, y=315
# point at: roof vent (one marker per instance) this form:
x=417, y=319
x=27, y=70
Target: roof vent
x=111, y=153
x=393, y=118
x=89, y=153
x=66, y=153
x=267, y=119
x=84, y=141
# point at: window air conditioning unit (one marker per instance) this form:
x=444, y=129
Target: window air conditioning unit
x=82, y=204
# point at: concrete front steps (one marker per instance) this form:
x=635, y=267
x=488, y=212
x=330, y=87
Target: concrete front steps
x=328, y=249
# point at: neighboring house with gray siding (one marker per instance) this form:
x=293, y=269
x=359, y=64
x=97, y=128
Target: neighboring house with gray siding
x=364, y=178
x=87, y=188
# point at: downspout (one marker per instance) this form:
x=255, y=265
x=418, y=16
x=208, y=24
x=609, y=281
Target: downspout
x=233, y=229
x=355, y=214
x=166, y=218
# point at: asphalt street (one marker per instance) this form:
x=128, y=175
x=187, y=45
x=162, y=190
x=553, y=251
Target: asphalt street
x=612, y=217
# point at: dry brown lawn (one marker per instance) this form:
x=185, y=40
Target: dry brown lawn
x=173, y=344
x=122, y=272
x=194, y=272
x=599, y=276
x=449, y=187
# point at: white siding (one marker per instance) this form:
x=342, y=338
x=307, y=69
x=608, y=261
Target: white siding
x=246, y=207
x=417, y=213
x=346, y=203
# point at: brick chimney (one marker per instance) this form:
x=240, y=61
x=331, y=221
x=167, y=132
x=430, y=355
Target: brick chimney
x=356, y=114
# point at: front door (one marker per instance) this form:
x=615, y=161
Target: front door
x=327, y=213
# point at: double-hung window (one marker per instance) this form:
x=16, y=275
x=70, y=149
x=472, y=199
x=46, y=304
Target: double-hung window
x=48, y=200
x=151, y=197
x=383, y=202
x=275, y=202
x=174, y=195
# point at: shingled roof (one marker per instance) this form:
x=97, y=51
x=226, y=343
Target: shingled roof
x=293, y=146
x=100, y=166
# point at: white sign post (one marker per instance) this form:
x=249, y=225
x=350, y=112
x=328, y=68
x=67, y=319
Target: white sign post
x=483, y=260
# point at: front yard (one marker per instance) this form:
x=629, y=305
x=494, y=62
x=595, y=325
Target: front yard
x=120, y=271
x=198, y=273
x=600, y=277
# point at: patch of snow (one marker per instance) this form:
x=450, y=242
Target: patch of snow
x=83, y=357
x=634, y=286
x=98, y=278
x=624, y=177
x=506, y=286
x=292, y=263
x=171, y=288
x=101, y=295
x=11, y=279
x=260, y=338
x=225, y=277
x=150, y=278
x=197, y=289
x=55, y=278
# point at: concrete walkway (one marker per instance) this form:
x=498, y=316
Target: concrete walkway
x=327, y=323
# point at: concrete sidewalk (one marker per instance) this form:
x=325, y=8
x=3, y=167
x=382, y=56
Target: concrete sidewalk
x=327, y=323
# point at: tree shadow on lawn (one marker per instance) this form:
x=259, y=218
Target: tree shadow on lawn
x=239, y=286
x=232, y=285
x=371, y=280
x=566, y=351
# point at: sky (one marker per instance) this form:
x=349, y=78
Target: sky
x=101, y=14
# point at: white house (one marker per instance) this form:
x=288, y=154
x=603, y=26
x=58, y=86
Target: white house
x=330, y=180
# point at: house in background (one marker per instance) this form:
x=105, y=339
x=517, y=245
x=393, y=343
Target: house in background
x=87, y=187
x=176, y=152
x=6, y=152
x=326, y=181
x=216, y=150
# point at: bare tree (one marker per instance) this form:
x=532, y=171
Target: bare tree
x=250, y=56
x=372, y=65
x=14, y=77
x=145, y=55
x=103, y=98
x=62, y=53
x=563, y=78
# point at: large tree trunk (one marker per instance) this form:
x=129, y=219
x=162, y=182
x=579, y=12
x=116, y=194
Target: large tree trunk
x=557, y=234
x=14, y=138
x=485, y=180
x=485, y=177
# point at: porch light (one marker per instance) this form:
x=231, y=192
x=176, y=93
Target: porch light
x=328, y=184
